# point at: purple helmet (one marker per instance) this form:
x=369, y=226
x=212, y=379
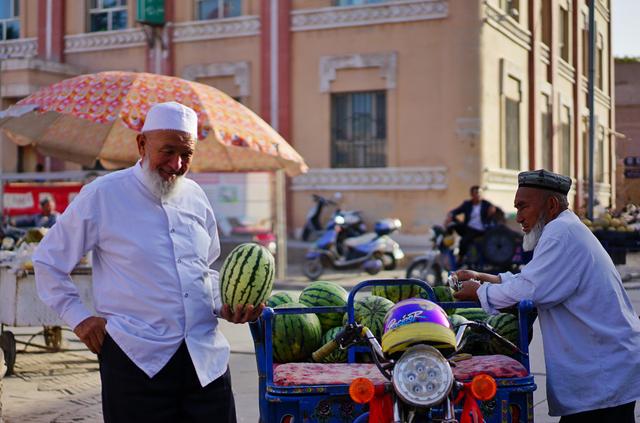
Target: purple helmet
x=414, y=321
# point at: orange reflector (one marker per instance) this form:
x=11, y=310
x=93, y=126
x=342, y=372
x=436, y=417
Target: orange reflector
x=361, y=390
x=483, y=387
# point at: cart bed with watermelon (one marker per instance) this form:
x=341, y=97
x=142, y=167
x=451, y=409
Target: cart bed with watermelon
x=304, y=391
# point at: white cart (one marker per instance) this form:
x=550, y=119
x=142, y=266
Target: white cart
x=21, y=306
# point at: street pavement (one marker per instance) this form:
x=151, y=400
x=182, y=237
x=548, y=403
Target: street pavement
x=65, y=386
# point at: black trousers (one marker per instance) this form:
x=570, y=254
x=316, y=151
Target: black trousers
x=173, y=395
x=620, y=414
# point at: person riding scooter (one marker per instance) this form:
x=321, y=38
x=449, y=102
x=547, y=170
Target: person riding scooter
x=478, y=215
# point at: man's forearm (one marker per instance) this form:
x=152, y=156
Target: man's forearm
x=487, y=277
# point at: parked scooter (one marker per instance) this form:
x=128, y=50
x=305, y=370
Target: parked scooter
x=374, y=250
x=498, y=250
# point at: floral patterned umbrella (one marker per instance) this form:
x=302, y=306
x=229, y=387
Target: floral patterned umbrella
x=97, y=116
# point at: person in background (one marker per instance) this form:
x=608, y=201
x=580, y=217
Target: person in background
x=478, y=213
x=153, y=237
x=590, y=331
x=47, y=217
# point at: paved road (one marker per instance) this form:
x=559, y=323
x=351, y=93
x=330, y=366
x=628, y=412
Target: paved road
x=65, y=387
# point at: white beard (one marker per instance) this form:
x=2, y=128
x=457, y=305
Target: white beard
x=156, y=184
x=531, y=239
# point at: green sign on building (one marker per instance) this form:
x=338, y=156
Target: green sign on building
x=150, y=12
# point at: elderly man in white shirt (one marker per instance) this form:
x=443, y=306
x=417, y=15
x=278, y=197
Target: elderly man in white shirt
x=154, y=238
x=590, y=330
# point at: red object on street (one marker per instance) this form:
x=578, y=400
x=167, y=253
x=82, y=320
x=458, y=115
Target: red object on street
x=24, y=199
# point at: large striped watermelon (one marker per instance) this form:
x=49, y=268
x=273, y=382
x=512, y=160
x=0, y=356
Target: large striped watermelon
x=295, y=336
x=506, y=325
x=338, y=355
x=279, y=298
x=370, y=311
x=476, y=314
x=396, y=293
x=247, y=274
x=321, y=293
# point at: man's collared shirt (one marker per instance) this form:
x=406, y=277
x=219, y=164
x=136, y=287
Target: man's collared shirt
x=590, y=330
x=152, y=279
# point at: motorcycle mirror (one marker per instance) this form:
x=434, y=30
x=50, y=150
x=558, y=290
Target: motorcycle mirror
x=338, y=220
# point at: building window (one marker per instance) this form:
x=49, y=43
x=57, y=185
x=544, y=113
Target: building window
x=546, y=133
x=545, y=11
x=107, y=15
x=512, y=99
x=565, y=141
x=599, y=63
x=356, y=2
x=359, y=129
x=585, y=45
x=564, y=34
x=9, y=19
x=512, y=8
x=217, y=9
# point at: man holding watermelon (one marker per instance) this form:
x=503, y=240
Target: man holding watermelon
x=153, y=236
x=590, y=330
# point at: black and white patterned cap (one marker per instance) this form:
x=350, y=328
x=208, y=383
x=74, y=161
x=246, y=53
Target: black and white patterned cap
x=543, y=179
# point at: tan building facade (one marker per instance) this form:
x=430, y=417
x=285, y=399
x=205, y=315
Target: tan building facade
x=399, y=105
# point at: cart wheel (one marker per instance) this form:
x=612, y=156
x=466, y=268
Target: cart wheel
x=8, y=345
x=53, y=337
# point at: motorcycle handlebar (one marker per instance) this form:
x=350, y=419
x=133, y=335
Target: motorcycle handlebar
x=486, y=327
x=349, y=335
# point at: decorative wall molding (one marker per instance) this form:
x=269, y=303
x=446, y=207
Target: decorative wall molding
x=373, y=179
x=32, y=63
x=505, y=24
x=501, y=179
x=545, y=54
x=567, y=71
x=240, y=71
x=106, y=40
x=370, y=14
x=22, y=47
x=602, y=9
x=387, y=62
x=243, y=26
x=602, y=98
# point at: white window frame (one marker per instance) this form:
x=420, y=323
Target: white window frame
x=14, y=17
x=109, y=10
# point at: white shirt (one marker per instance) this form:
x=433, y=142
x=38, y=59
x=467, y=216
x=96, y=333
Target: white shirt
x=590, y=330
x=475, y=220
x=152, y=280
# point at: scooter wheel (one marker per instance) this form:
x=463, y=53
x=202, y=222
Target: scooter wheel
x=313, y=269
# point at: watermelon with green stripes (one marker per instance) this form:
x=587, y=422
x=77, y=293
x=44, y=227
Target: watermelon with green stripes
x=337, y=355
x=295, y=336
x=506, y=325
x=456, y=320
x=476, y=314
x=323, y=294
x=444, y=294
x=396, y=293
x=247, y=275
x=279, y=298
x=370, y=312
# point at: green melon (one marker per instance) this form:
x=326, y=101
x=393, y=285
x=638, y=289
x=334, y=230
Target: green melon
x=338, y=355
x=279, y=298
x=397, y=292
x=456, y=320
x=321, y=293
x=476, y=314
x=247, y=275
x=370, y=312
x=295, y=336
x=506, y=325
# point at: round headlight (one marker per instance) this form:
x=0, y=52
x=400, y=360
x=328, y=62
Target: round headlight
x=422, y=376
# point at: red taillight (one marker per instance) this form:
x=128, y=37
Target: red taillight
x=483, y=387
x=361, y=390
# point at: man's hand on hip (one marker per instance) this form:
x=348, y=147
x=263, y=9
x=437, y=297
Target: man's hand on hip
x=91, y=331
x=242, y=314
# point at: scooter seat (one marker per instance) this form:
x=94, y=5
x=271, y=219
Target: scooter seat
x=359, y=240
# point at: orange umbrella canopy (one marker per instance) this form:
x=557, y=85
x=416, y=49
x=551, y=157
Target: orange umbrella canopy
x=97, y=117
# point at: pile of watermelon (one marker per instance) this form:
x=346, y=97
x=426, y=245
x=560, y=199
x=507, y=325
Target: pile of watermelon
x=247, y=277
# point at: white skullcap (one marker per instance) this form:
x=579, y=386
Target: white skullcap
x=172, y=116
